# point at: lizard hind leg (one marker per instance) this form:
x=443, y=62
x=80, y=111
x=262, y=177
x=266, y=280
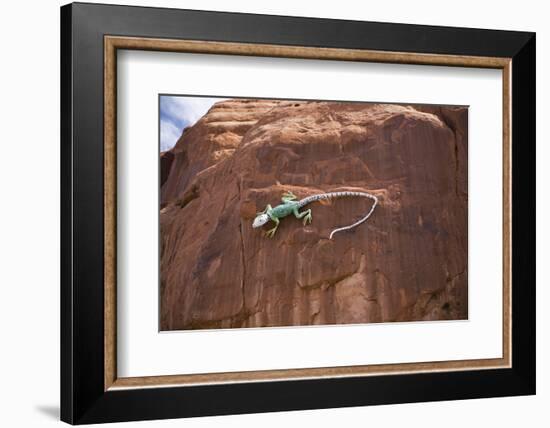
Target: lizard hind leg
x=306, y=215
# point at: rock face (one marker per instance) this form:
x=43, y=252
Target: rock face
x=166, y=159
x=407, y=262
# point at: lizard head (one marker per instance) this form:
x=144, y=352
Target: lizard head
x=260, y=220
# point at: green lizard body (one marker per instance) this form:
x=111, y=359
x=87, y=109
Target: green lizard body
x=289, y=206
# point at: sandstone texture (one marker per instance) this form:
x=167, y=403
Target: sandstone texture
x=408, y=262
x=166, y=159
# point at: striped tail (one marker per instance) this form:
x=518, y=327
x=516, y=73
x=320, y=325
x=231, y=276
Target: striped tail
x=334, y=195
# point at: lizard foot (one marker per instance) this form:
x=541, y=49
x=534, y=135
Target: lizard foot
x=307, y=218
x=271, y=232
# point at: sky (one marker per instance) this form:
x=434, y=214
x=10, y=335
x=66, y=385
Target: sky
x=178, y=112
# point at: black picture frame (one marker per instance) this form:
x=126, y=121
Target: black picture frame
x=83, y=397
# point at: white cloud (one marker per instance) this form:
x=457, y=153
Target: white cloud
x=177, y=113
x=188, y=109
x=169, y=135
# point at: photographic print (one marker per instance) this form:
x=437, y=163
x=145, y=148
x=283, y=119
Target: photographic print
x=281, y=212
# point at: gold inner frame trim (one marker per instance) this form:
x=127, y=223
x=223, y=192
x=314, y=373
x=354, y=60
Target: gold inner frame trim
x=113, y=43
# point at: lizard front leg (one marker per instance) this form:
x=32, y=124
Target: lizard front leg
x=271, y=232
x=267, y=208
x=305, y=214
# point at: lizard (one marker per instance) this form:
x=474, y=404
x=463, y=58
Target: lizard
x=290, y=205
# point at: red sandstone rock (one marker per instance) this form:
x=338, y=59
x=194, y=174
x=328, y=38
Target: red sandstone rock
x=407, y=262
x=166, y=159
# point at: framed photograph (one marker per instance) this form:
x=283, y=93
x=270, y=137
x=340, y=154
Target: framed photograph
x=265, y=213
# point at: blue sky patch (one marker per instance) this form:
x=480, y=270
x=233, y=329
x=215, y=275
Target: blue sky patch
x=179, y=112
